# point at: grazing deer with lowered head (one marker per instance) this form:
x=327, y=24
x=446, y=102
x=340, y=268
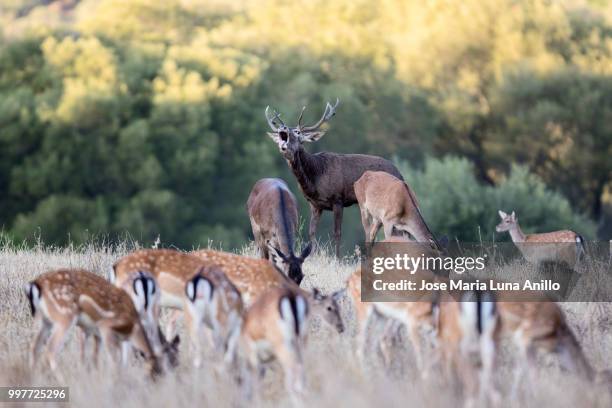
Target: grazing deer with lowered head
x=325, y=178
x=202, y=291
x=273, y=211
x=274, y=327
x=145, y=294
x=389, y=202
x=539, y=324
x=468, y=336
x=67, y=297
x=419, y=317
x=558, y=246
x=254, y=277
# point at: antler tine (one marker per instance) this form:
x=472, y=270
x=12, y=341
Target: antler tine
x=271, y=122
x=329, y=112
x=299, y=123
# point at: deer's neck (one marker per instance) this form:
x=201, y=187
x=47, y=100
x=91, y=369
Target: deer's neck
x=517, y=234
x=306, y=169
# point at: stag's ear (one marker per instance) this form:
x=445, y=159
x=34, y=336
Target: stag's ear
x=274, y=136
x=513, y=215
x=502, y=214
x=312, y=136
x=317, y=294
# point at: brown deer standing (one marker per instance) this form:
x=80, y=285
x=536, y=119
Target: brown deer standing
x=389, y=202
x=560, y=246
x=325, y=178
x=273, y=211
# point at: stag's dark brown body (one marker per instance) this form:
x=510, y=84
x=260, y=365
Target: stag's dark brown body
x=327, y=179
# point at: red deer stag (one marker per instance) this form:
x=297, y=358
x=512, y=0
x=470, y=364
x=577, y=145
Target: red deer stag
x=273, y=212
x=325, y=178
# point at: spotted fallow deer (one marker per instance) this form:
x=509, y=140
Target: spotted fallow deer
x=274, y=327
x=202, y=291
x=558, y=246
x=142, y=288
x=67, y=297
x=254, y=277
x=273, y=211
x=389, y=202
x=468, y=335
x=538, y=324
x=419, y=317
x=325, y=178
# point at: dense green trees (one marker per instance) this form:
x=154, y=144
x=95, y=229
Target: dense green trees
x=147, y=116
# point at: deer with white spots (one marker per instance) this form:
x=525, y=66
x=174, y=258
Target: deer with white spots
x=64, y=298
x=273, y=211
x=203, y=292
x=254, y=277
x=468, y=336
x=274, y=327
x=559, y=246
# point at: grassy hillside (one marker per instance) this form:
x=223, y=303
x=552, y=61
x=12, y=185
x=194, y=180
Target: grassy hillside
x=334, y=377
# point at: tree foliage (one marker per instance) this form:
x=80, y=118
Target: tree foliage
x=147, y=116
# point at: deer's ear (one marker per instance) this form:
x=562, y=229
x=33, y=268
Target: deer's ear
x=312, y=136
x=278, y=259
x=274, y=136
x=306, y=251
x=502, y=214
x=513, y=215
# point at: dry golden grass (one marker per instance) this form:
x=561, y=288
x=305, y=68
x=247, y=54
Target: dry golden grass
x=334, y=376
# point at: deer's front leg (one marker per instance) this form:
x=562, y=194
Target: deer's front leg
x=338, y=208
x=315, y=216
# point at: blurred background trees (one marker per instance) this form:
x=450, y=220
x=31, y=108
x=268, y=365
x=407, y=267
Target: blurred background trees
x=146, y=117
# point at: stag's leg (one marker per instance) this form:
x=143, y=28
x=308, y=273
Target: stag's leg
x=315, y=216
x=338, y=208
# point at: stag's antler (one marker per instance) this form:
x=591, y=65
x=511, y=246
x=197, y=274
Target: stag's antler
x=272, y=121
x=327, y=115
x=299, y=122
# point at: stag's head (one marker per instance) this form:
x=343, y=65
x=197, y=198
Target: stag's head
x=290, y=139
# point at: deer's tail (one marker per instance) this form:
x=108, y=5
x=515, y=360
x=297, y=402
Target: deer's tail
x=580, y=248
x=284, y=220
x=33, y=293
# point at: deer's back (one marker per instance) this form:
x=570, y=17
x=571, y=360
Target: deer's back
x=252, y=277
x=264, y=206
x=384, y=195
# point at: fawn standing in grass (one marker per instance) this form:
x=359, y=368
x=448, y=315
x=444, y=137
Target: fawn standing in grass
x=559, y=246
